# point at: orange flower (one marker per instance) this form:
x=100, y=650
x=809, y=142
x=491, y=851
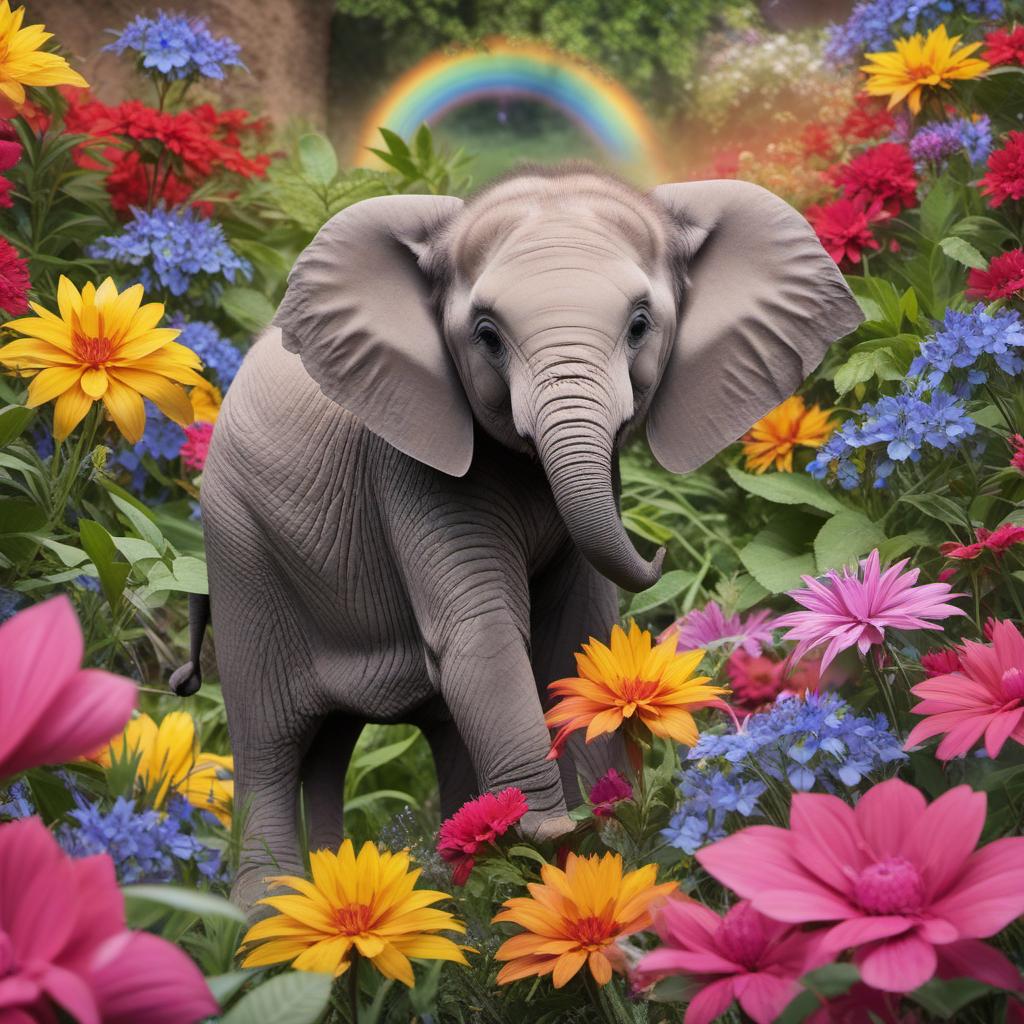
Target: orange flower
x=635, y=682
x=773, y=438
x=574, y=916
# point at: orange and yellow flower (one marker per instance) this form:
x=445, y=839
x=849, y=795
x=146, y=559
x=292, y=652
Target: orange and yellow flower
x=632, y=681
x=773, y=438
x=932, y=61
x=575, y=917
x=206, y=400
x=366, y=904
x=22, y=62
x=104, y=346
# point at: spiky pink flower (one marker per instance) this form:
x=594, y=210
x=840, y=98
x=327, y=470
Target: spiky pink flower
x=941, y=662
x=609, y=790
x=983, y=695
x=911, y=894
x=742, y=957
x=848, y=609
x=708, y=626
x=476, y=825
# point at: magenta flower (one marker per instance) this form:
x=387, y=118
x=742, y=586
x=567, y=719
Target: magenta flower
x=983, y=695
x=911, y=895
x=52, y=709
x=475, y=826
x=63, y=943
x=848, y=609
x=743, y=957
x=609, y=790
x=709, y=626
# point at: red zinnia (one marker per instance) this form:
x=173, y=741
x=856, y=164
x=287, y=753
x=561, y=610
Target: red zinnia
x=1003, y=279
x=844, y=227
x=1005, y=178
x=997, y=541
x=941, y=662
x=609, y=790
x=475, y=825
x=14, y=280
x=884, y=172
x=869, y=119
x=1002, y=47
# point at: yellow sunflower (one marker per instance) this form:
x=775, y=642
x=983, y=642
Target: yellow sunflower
x=632, y=681
x=773, y=438
x=366, y=904
x=919, y=62
x=170, y=761
x=575, y=917
x=22, y=62
x=103, y=346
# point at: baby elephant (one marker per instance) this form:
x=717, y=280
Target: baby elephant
x=411, y=498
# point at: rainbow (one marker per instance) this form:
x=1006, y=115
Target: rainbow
x=442, y=82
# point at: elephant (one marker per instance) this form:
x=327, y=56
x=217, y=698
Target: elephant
x=411, y=497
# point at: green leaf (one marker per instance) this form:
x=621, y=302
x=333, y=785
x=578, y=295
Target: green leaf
x=318, y=159
x=831, y=980
x=671, y=585
x=69, y=555
x=787, y=489
x=844, y=538
x=100, y=547
x=247, y=307
x=140, y=521
x=226, y=986
x=894, y=547
x=945, y=998
x=13, y=421
x=135, y=550
x=774, y=563
x=937, y=507
x=863, y=365
x=526, y=852
x=382, y=755
x=367, y=799
x=963, y=252
x=176, y=898
x=187, y=575
x=298, y=997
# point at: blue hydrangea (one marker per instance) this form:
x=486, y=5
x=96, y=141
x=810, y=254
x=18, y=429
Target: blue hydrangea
x=802, y=743
x=172, y=249
x=217, y=353
x=10, y=602
x=177, y=46
x=145, y=845
x=162, y=439
x=18, y=803
x=936, y=142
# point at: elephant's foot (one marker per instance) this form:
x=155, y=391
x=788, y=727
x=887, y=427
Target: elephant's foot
x=544, y=828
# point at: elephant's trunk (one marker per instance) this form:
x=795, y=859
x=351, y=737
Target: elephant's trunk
x=576, y=446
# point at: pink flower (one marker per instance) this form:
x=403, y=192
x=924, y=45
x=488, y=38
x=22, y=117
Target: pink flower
x=744, y=957
x=902, y=878
x=848, y=609
x=997, y=541
x=941, y=662
x=984, y=694
x=709, y=626
x=1017, y=459
x=609, y=790
x=52, y=709
x=196, y=445
x=475, y=825
x=63, y=942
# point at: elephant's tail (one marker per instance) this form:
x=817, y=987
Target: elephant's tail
x=186, y=680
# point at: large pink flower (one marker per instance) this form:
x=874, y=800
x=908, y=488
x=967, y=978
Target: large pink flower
x=984, y=696
x=63, y=942
x=709, y=625
x=52, y=709
x=856, y=608
x=475, y=826
x=744, y=957
x=903, y=879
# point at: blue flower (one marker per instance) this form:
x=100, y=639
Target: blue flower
x=18, y=803
x=177, y=47
x=10, y=602
x=216, y=352
x=173, y=248
x=162, y=439
x=935, y=142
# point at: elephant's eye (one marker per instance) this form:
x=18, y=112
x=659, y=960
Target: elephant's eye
x=638, y=327
x=487, y=335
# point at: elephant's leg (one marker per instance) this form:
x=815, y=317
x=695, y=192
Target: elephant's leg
x=456, y=778
x=323, y=778
x=572, y=602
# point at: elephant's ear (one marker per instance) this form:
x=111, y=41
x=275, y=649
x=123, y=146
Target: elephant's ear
x=762, y=304
x=358, y=311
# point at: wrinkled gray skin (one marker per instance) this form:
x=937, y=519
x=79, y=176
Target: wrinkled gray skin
x=410, y=500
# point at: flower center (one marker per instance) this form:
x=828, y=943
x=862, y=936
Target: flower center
x=1013, y=683
x=593, y=932
x=94, y=351
x=636, y=691
x=354, y=919
x=891, y=886
x=917, y=71
x=741, y=935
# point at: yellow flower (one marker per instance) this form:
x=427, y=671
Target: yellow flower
x=366, y=903
x=918, y=62
x=773, y=438
x=169, y=760
x=23, y=63
x=103, y=345
x=575, y=916
x=206, y=400
x=632, y=678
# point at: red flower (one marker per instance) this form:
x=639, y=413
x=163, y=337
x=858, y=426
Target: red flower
x=941, y=662
x=476, y=824
x=10, y=154
x=816, y=139
x=1005, y=178
x=1002, y=47
x=1017, y=461
x=609, y=790
x=868, y=119
x=884, y=172
x=14, y=282
x=997, y=541
x=754, y=680
x=1003, y=279
x=196, y=445
x=844, y=227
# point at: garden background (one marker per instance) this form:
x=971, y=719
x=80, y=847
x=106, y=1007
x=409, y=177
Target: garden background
x=841, y=838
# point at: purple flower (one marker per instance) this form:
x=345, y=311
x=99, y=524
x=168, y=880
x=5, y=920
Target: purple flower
x=609, y=790
x=177, y=47
x=709, y=627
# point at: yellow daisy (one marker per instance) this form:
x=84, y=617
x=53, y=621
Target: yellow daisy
x=919, y=62
x=773, y=438
x=366, y=904
x=22, y=62
x=103, y=346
